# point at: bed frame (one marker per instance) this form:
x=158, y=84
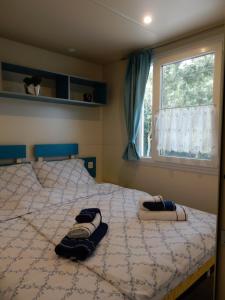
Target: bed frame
x=186, y=284
x=18, y=152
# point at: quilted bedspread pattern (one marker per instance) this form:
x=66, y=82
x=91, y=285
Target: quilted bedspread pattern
x=136, y=259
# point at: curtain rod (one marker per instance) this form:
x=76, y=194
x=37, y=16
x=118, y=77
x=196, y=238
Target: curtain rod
x=181, y=38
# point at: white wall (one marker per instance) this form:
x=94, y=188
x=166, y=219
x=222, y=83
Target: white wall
x=37, y=122
x=192, y=189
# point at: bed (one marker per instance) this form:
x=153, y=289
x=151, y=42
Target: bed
x=135, y=260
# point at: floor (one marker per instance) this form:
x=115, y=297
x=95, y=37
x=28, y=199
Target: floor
x=202, y=290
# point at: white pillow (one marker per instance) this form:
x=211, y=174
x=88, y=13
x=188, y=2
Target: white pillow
x=17, y=179
x=62, y=174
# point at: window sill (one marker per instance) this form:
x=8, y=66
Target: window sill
x=179, y=167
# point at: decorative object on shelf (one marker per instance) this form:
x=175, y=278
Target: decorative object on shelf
x=32, y=85
x=88, y=97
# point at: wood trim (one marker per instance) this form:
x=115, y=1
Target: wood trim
x=186, y=284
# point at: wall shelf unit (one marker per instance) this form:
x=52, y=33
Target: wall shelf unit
x=55, y=87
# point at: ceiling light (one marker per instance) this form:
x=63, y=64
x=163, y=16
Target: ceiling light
x=71, y=50
x=203, y=50
x=147, y=20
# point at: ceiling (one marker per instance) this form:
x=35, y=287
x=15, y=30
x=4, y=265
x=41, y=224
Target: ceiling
x=104, y=30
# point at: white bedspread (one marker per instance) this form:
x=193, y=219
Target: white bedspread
x=18, y=205
x=29, y=269
x=141, y=260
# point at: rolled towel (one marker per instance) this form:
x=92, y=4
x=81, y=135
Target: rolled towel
x=156, y=203
x=156, y=198
x=164, y=205
x=81, y=248
x=84, y=230
x=178, y=215
x=87, y=215
x=149, y=198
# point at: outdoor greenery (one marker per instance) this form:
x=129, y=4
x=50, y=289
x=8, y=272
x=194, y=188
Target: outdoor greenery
x=188, y=82
x=184, y=83
x=148, y=114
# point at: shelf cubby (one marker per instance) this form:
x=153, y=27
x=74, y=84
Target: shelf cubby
x=55, y=87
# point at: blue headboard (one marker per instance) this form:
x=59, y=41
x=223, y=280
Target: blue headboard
x=12, y=152
x=55, y=150
x=64, y=150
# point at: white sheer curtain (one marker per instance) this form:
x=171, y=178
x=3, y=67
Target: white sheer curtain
x=187, y=129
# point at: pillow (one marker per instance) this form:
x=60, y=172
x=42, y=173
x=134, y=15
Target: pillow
x=17, y=179
x=62, y=174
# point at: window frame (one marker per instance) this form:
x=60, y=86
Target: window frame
x=172, y=56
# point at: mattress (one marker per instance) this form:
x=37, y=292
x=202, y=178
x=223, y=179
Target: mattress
x=137, y=259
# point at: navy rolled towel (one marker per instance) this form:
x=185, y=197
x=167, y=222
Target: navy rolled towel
x=81, y=248
x=164, y=205
x=87, y=215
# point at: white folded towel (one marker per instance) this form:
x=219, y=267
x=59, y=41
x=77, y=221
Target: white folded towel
x=178, y=215
x=149, y=198
x=84, y=230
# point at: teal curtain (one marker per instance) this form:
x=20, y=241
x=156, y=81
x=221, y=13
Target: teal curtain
x=135, y=83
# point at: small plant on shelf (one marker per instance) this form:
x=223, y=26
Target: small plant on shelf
x=32, y=85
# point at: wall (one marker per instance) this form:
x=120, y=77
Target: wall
x=29, y=123
x=192, y=189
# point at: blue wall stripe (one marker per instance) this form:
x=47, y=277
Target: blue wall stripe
x=12, y=151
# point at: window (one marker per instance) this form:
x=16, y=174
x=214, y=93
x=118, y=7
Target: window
x=146, y=120
x=180, y=112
